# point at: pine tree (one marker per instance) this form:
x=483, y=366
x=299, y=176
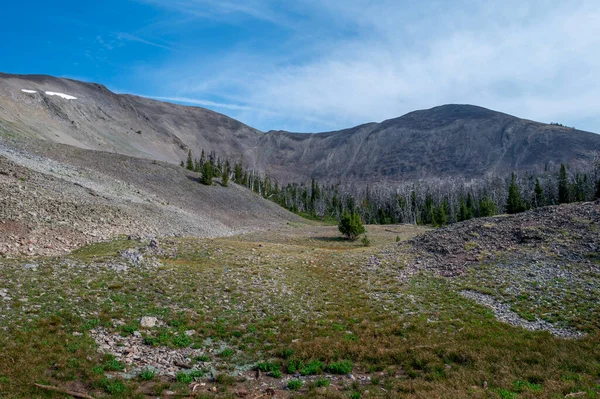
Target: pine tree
x=207, y=174
x=225, y=175
x=539, y=193
x=514, y=203
x=487, y=207
x=189, y=165
x=440, y=216
x=351, y=225
x=563, y=185
x=465, y=208
x=238, y=172
x=202, y=158
x=470, y=206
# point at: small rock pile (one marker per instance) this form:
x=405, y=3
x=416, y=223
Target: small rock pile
x=137, y=356
x=568, y=231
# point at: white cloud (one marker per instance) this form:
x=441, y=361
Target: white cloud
x=205, y=103
x=537, y=60
x=134, y=38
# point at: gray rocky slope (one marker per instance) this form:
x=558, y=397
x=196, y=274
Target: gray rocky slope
x=450, y=140
x=56, y=197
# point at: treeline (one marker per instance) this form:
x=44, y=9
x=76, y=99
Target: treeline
x=443, y=201
x=211, y=166
x=436, y=202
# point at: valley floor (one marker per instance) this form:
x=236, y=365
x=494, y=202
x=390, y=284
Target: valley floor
x=298, y=312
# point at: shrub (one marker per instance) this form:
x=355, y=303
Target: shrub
x=185, y=378
x=202, y=358
x=276, y=373
x=182, y=341
x=351, y=225
x=294, y=365
x=273, y=369
x=312, y=368
x=365, y=241
x=294, y=385
x=506, y=394
x=322, y=382
x=341, y=367
x=127, y=329
x=226, y=353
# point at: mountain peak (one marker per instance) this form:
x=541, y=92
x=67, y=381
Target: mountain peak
x=452, y=140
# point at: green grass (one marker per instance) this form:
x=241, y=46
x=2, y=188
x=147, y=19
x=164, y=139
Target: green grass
x=322, y=383
x=113, y=386
x=147, y=375
x=286, y=304
x=325, y=220
x=112, y=364
x=341, y=367
x=313, y=367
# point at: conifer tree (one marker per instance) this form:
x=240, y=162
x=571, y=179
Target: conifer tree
x=207, y=174
x=462, y=210
x=440, y=217
x=470, y=206
x=514, y=203
x=189, y=165
x=539, y=193
x=487, y=207
x=238, y=172
x=351, y=225
x=225, y=175
x=202, y=158
x=563, y=185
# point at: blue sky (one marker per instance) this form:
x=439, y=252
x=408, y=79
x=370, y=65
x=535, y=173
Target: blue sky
x=309, y=65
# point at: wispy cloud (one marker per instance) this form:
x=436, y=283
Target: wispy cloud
x=134, y=38
x=377, y=60
x=205, y=103
x=225, y=9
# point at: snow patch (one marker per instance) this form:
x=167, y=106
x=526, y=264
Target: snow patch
x=65, y=96
x=28, y=91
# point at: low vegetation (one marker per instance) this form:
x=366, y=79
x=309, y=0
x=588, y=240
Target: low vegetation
x=296, y=312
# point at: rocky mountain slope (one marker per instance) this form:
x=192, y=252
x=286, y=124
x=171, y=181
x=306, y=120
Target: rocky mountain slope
x=89, y=116
x=55, y=197
x=450, y=140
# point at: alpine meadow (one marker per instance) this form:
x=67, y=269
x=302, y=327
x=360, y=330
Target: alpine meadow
x=156, y=245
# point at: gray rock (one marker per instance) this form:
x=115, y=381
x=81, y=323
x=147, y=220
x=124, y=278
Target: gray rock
x=148, y=322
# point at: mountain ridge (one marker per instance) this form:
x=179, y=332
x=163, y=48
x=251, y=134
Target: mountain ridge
x=452, y=140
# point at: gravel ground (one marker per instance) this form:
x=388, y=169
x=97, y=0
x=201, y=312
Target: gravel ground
x=504, y=313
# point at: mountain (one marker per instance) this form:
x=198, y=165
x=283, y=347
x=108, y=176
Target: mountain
x=56, y=197
x=99, y=119
x=446, y=141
